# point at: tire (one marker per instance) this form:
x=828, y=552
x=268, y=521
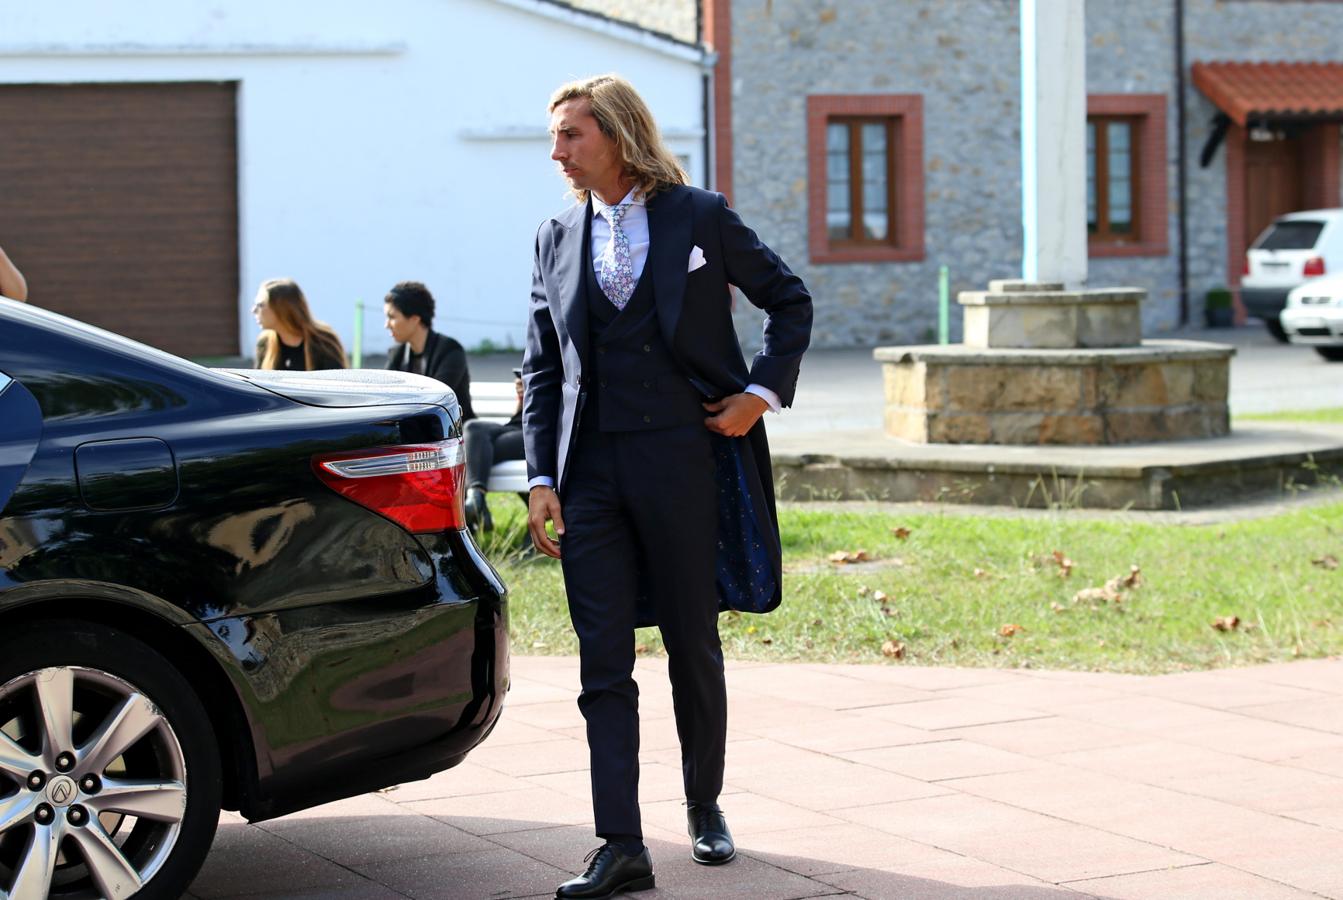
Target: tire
x=1274, y=326
x=1332, y=354
x=129, y=719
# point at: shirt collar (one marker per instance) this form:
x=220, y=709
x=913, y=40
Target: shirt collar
x=599, y=208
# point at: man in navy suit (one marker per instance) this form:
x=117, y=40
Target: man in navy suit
x=645, y=448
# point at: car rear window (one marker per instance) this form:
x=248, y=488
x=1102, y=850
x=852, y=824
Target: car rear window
x=1298, y=234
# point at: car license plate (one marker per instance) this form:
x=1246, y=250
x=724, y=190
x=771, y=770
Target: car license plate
x=1299, y=324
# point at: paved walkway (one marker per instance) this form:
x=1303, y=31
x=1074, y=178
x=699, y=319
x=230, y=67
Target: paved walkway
x=871, y=781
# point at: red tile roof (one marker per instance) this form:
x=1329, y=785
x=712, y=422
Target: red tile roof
x=1245, y=90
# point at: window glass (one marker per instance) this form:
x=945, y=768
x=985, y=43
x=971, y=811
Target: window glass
x=838, y=213
x=875, y=164
x=1298, y=234
x=1120, y=161
x=1091, y=177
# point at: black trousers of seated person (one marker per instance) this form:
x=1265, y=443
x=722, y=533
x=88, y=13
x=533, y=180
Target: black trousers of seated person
x=640, y=513
x=488, y=443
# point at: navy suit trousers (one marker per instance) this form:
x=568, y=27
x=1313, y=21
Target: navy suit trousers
x=640, y=516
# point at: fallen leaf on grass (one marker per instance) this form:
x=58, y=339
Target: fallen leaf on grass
x=1058, y=607
x=767, y=641
x=640, y=649
x=1226, y=623
x=1133, y=578
x=901, y=533
x=981, y=573
x=1064, y=563
x=863, y=590
x=844, y=557
x=893, y=649
x=1328, y=561
x=1010, y=629
x=880, y=597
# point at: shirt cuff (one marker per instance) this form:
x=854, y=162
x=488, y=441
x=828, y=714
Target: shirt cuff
x=765, y=394
x=541, y=481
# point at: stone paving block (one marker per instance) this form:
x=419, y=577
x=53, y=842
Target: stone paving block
x=544, y=716
x=490, y=873
x=851, y=733
x=1321, y=714
x=354, y=839
x=1014, y=838
x=1328, y=761
x=925, y=678
x=1270, y=741
x=487, y=814
x=541, y=758
x=835, y=848
x=1219, y=689
x=952, y=877
x=820, y=689
x=460, y=780
x=1207, y=881
x=526, y=691
x=512, y=731
x=819, y=782
x=943, y=760
x=244, y=859
x=1038, y=694
x=1197, y=770
x=1324, y=675
x=950, y=712
x=1150, y=715
x=1045, y=736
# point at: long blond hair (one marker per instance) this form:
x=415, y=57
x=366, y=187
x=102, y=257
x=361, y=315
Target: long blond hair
x=624, y=117
x=285, y=299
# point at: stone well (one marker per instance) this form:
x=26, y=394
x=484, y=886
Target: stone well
x=1041, y=365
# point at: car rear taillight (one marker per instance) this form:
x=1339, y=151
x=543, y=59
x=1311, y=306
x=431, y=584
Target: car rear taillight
x=1245, y=269
x=1314, y=267
x=419, y=487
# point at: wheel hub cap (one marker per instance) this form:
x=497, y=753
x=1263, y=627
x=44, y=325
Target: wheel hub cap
x=62, y=791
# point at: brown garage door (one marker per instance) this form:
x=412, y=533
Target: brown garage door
x=120, y=204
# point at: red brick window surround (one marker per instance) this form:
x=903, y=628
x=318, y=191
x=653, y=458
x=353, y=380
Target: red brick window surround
x=865, y=177
x=1126, y=175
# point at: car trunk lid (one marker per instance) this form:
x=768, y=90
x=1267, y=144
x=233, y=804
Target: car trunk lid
x=1279, y=257
x=352, y=387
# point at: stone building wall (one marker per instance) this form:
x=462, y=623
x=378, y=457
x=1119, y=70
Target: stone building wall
x=673, y=17
x=963, y=57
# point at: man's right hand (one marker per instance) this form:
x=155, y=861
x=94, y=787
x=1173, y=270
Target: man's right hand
x=543, y=505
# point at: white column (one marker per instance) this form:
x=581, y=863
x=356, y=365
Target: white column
x=1053, y=141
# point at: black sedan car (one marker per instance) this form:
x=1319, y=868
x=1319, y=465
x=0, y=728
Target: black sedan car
x=242, y=590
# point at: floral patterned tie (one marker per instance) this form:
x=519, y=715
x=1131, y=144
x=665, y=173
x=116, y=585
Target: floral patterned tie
x=615, y=273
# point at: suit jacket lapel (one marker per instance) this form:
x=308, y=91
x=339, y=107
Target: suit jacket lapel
x=669, y=228
x=569, y=257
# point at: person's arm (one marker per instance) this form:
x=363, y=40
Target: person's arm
x=12, y=283
x=542, y=404
x=768, y=284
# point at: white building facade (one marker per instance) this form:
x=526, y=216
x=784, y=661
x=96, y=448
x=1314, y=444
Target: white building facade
x=374, y=143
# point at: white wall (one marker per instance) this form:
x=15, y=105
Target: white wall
x=377, y=142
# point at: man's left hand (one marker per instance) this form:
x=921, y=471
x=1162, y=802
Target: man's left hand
x=736, y=414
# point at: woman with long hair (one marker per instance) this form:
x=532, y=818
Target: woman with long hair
x=290, y=337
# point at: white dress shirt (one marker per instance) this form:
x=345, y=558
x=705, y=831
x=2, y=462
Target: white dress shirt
x=635, y=225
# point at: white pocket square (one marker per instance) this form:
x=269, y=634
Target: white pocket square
x=696, y=258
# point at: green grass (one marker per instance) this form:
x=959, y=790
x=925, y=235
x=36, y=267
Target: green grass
x=956, y=581
x=1328, y=416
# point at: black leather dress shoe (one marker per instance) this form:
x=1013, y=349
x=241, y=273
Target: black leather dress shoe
x=610, y=873
x=708, y=829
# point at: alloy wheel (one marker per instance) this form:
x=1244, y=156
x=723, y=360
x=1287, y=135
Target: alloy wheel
x=93, y=786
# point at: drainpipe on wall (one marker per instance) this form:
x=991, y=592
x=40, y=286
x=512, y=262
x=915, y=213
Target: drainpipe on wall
x=1181, y=157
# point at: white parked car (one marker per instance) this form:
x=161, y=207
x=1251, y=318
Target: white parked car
x=1296, y=248
x=1314, y=316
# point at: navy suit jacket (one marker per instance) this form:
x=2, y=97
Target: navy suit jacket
x=694, y=311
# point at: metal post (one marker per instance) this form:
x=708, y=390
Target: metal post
x=357, y=356
x=943, y=307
